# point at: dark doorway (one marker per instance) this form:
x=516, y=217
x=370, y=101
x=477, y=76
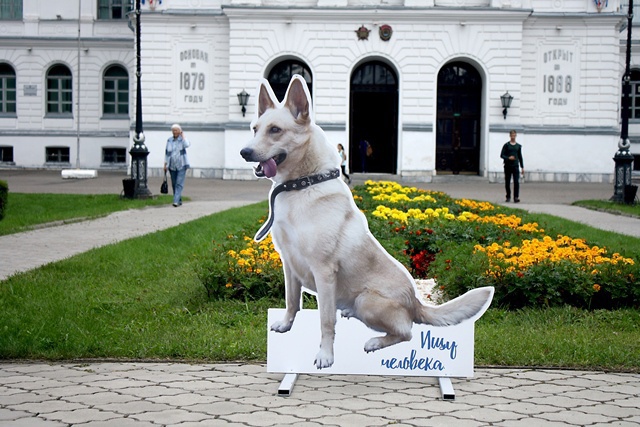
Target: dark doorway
x=458, y=119
x=374, y=118
x=281, y=73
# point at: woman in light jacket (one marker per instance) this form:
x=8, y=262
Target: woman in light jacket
x=175, y=159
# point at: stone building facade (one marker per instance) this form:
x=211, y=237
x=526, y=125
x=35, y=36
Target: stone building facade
x=420, y=80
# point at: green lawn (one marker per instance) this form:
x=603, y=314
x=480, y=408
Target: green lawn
x=26, y=211
x=141, y=299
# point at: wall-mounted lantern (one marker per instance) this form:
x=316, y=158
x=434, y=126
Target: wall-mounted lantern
x=243, y=98
x=506, y=103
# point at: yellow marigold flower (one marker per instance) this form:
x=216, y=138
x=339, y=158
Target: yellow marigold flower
x=596, y=287
x=228, y=285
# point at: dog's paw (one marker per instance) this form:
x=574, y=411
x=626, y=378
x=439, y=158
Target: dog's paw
x=324, y=359
x=373, y=344
x=348, y=313
x=281, y=326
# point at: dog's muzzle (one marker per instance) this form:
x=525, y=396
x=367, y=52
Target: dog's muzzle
x=266, y=168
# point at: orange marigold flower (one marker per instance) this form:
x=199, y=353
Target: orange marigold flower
x=596, y=287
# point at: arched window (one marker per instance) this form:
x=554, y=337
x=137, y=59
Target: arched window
x=280, y=76
x=7, y=89
x=59, y=91
x=374, y=76
x=115, y=91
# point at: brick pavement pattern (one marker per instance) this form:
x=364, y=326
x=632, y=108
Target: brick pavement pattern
x=189, y=395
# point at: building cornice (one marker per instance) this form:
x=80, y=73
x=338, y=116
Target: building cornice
x=66, y=42
x=268, y=13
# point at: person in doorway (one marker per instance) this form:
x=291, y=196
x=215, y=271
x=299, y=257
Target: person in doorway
x=176, y=161
x=365, y=151
x=343, y=162
x=512, y=155
x=455, y=155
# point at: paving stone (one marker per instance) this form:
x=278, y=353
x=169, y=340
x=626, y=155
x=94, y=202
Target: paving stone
x=264, y=419
x=317, y=411
x=12, y=414
x=443, y=420
x=524, y=408
x=43, y=384
x=151, y=391
x=135, y=407
x=32, y=422
x=101, y=398
x=47, y=406
x=488, y=415
x=22, y=397
x=354, y=420
x=82, y=416
x=531, y=422
x=120, y=422
x=183, y=399
x=574, y=417
x=209, y=423
x=353, y=405
x=171, y=417
x=611, y=410
x=223, y=408
x=73, y=389
x=271, y=401
x=393, y=398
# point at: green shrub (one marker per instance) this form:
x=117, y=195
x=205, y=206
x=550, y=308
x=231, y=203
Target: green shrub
x=240, y=268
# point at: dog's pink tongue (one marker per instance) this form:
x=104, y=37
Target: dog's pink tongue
x=269, y=167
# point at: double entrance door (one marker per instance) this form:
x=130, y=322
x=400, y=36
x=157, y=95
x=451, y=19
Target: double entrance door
x=458, y=119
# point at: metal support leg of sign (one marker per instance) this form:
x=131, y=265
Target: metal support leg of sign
x=446, y=388
x=286, y=386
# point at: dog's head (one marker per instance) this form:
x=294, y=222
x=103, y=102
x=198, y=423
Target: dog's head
x=281, y=131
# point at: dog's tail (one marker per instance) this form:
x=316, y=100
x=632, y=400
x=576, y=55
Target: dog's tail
x=468, y=306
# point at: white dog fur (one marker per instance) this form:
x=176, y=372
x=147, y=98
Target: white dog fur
x=324, y=241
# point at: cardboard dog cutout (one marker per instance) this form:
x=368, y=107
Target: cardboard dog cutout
x=324, y=241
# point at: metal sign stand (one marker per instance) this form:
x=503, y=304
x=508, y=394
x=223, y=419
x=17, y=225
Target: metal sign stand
x=289, y=380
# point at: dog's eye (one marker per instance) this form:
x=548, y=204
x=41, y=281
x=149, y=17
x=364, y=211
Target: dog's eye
x=274, y=129
x=255, y=130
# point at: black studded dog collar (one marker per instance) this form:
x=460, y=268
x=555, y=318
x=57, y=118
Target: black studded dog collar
x=293, y=185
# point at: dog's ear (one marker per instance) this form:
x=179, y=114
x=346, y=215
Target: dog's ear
x=265, y=98
x=297, y=98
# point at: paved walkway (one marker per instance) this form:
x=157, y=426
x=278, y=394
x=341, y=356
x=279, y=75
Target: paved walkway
x=158, y=394
x=161, y=394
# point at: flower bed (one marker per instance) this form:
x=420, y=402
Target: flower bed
x=461, y=243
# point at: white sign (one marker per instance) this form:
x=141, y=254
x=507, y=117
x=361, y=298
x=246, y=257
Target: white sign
x=432, y=352
x=192, y=75
x=30, y=90
x=558, y=86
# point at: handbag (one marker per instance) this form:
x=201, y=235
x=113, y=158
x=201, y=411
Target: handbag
x=164, y=188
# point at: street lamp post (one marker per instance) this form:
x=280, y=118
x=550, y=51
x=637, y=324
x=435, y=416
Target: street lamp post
x=139, y=151
x=623, y=158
